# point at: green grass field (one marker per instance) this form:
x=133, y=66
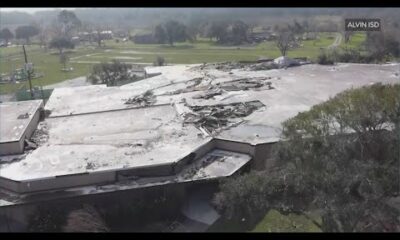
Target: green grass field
x=274, y=221
x=203, y=50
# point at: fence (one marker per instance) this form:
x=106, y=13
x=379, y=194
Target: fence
x=24, y=94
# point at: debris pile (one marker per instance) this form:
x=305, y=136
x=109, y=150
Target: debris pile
x=29, y=145
x=262, y=64
x=41, y=134
x=208, y=94
x=211, y=118
x=245, y=84
x=23, y=116
x=223, y=66
x=142, y=100
x=198, y=167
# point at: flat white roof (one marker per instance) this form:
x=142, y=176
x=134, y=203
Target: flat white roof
x=108, y=140
x=15, y=117
x=101, y=140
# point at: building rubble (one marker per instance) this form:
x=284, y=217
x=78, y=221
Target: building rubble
x=212, y=118
x=265, y=64
x=145, y=99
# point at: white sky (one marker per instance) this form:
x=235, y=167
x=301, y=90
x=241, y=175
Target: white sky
x=30, y=10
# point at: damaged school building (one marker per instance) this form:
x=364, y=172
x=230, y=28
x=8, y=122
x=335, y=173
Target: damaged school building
x=190, y=124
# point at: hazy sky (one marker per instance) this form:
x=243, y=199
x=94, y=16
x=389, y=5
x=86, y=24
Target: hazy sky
x=29, y=10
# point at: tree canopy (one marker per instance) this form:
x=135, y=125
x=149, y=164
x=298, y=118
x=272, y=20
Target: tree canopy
x=61, y=43
x=68, y=21
x=26, y=32
x=6, y=34
x=341, y=157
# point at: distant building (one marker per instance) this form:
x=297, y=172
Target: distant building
x=120, y=34
x=261, y=36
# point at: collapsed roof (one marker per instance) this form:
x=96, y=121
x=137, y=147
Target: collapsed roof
x=161, y=120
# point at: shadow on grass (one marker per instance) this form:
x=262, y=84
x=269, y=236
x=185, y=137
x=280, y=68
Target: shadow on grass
x=177, y=46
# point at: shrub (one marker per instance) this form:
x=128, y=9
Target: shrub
x=112, y=74
x=325, y=59
x=160, y=61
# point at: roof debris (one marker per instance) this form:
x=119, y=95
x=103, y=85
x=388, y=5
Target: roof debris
x=145, y=99
x=212, y=118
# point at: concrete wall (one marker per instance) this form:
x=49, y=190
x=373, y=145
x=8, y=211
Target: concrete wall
x=262, y=154
x=15, y=218
x=33, y=123
x=110, y=176
x=17, y=147
x=10, y=148
x=57, y=182
x=235, y=146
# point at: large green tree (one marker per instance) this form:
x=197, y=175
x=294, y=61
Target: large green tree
x=61, y=43
x=6, y=34
x=175, y=32
x=26, y=32
x=341, y=157
x=68, y=22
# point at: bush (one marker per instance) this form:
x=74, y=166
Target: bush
x=160, y=61
x=112, y=74
x=325, y=59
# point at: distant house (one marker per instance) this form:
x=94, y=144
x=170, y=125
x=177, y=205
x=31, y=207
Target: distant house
x=261, y=36
x=76, y=40
x=84, y=36
x=121, y=34
x=310, y=36
x=144, y=39
x=107, y=34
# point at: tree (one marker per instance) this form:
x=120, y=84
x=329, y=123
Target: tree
x=68, y=22
x=347, y=36
x=285, y=40
x=86, y=219
x=341, y=156
x=61, y=43
x=296, y=28
x=219, y=31
x=64, y=60
x=382, y=44
x=26, y=32
x=239, y=32
x=159, y=34
x=6, y=34
x=175, y=32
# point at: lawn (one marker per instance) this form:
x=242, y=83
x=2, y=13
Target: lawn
x=274, y=221
x=82, y=58
x=356, y=40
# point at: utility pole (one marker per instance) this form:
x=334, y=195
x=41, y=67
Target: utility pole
x=28, y=70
